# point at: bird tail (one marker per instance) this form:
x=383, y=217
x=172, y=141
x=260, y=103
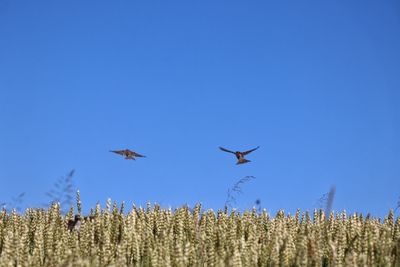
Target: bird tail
x=243, y=160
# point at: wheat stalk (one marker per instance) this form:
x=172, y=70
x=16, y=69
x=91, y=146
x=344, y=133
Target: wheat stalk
x=153, y=236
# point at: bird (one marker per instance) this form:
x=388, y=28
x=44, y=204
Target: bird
x=240, y=155
x=75, y=224
x=128, y=154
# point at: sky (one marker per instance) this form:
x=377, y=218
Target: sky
x=315, y=84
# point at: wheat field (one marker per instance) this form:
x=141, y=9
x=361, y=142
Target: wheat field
x=153, y=236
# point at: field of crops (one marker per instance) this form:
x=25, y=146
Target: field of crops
x=153, y=236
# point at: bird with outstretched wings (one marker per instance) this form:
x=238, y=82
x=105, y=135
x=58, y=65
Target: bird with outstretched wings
x=128, y=154
x=240, y=155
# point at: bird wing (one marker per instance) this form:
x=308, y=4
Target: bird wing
x=249, y=151
x=226, y=150
x=134, y=154
x=120, y=152
x=138, y=155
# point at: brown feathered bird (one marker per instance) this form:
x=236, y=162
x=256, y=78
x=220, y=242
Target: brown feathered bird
x=128, y=154
x=240, y=155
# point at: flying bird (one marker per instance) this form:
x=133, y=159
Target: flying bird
x=240, y=155
x=128, y=154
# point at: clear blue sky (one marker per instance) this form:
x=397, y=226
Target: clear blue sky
x=316, y=84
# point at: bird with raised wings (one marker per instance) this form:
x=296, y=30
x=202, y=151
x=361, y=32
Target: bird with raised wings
x=240, y=155
x=128, y=154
